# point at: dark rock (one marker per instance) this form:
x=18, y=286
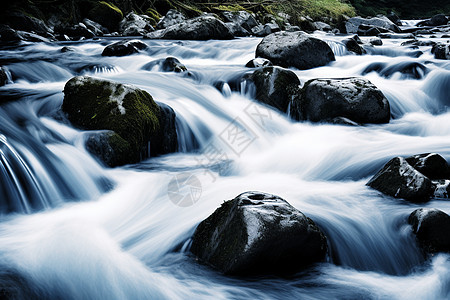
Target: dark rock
x=259, y=62
x=369, y=30
x=21, y=21
x=108, y=147
x=7, y=34
x=275, y=86
x=107, y=15
x=323, y=26
x=438, y=20
x=241, y=18
x=31, y=37
x=409, y=69
x=135, y=25
x=396, y=36
x=3, y=77
x=295, y=49
x=400, y=180
x=441, y=51
x=394, y=18
x=307, y=25
x=78, y=31
x=352, y=45
x=201, y=28
x=261, y=30
x=432, y=165
x=96, y=28
x=431, y=227
x=169, y=64
x=165, y=140
x=237, y=30
x=123, y=48
x=353, y=24
x=129, y=112
x=354, y=98
x=171, y=18
x=258, y=233
x=376, y=41
x=67, y=49
x=341, y=121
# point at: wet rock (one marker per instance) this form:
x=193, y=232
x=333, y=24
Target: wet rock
x=171, y=18
x=261, y=30
x=441, y=51
x=241, y=18
x=201, y=28
x=106, y=14
x=22, y=22
x=31, y=37
x=275, y=86
x=109, y=147
x=169, y=64
x=369, y=30
x=135, y=25
x=3, y=77
x=96, y=28
x=408, y=69
x=354, y=23
x=323, y=26
x=123, y=48
x=77, y=31
x=394, y=18
x=258, y=233
x=129, y=112
x=376, y=41
x=259, y=62
x=67, y=49
x=295, y=49
x=432, y=165
x=354, y=98
x=431, y=227
x=438, y=20
x=400, y=180
x=165, y=140
x=292, y=28
x=396, y=36
x=237, y=30
x=7, y=34
x=352, y=45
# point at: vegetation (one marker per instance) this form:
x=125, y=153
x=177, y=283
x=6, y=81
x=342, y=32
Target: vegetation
x=405, y=9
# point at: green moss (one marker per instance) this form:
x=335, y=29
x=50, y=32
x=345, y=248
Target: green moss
x=153, y=15
x=113, y=7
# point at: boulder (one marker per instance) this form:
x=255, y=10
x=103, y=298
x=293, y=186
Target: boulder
x=123, y=48
x=394, y=18
x=259, y=62
x=241, y=18
x=169, y=64
x=353, y=24
x=368, y=30
x=108, y=147
x=400, y=180
x=295, y=49
x=322, y=26
x=431, y=227
x=23, y=22
x=438, y=20
x=171, y=18
x=7, y=34
x=261, y=30
x=258, y=233
x=432, y=165
x=352, y=45
x=129, y=112
x=441, y=51
x=354, y=98
x=396, y=36
x=77, y=32
x=275, y=86
x=376, y=41
x=237, y=30
x=201, y=28
x=106, y=14
x=3, y=77
x=135, y=25
x=96, y=28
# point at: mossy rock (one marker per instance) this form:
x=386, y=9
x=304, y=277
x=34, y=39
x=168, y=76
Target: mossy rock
x=131, y=113
x=106, y=14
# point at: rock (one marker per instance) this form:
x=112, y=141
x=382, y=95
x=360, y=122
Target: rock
x=323, y=26
x=169, y=64
x=201, y=28
x=96, y=28
x=432, y=165
x=409, y=69
x=273, y=27
x=352, y=45
x=394, y=18
x=396, y=36
x=275, y=86
x=367, y=30
x=258, y=233
x=7, y=34
x=31, y=37
x=441, y=51
x=295, y=49
x=123, y=48
x=241, y=18
x=135, y=25
x=292, y=28
x=108, y=147
x=376, y=41
x=261, y=30
x=3, y=77
x=67, y=49
x=129, y=112
x=353, y=24
x=107, y=15
x=400, y=180
x=171, y=18
x=438, y=20
x=237, y=30
x=21, y=21
x=259, y=62
x=77, y=31
x=166, y=139
x=431, y=227
x=354, y=98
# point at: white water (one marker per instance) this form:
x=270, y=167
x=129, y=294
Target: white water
x=126, y=239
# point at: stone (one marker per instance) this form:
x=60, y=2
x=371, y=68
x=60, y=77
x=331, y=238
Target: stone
x=259, y=62
x=204, y=27
x=353, y=24
x=123, y=48
x=171, y=18
x=432, y=165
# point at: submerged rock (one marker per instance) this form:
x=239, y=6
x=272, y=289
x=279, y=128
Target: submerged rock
x=3, y=77
x=295, y=49
x=258, y=233
x=201, y=28
x=400, y=180
x=169, y=64
x=354, y=98
x=123, y=48
x=431, y=227
x=129, y=112
x=275, y=86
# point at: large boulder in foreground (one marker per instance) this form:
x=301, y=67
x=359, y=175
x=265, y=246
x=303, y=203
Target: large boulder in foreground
x=431, y=227
x=275, y=86
x=295, y=49
x=400, y=180
x=258, y=233
x=353, y=98
x=131, y=114
x=201, y=28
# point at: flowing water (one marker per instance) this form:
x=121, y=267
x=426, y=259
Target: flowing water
x=73, y=229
